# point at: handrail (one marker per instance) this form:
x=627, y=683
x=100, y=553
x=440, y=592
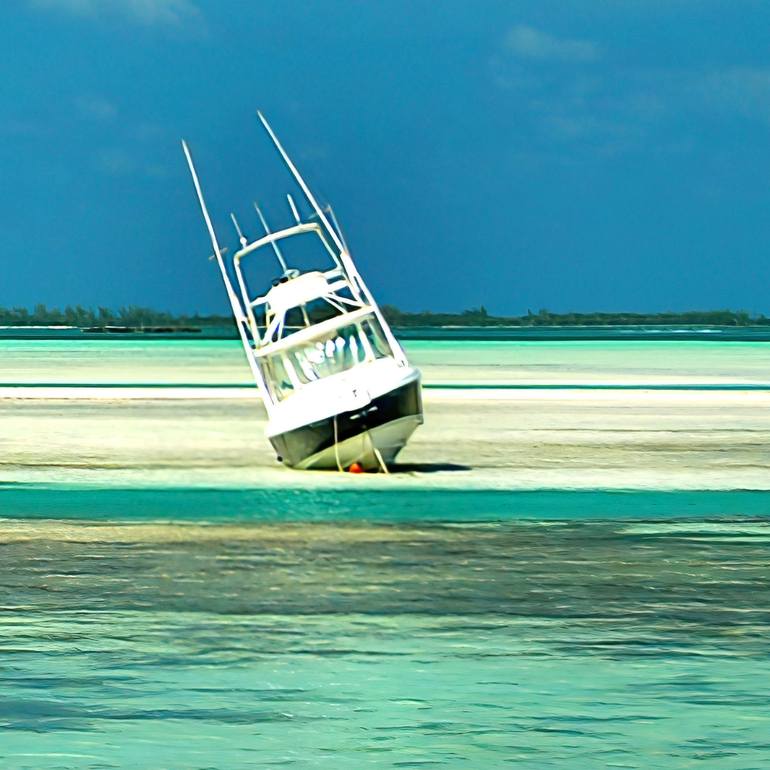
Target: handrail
x=311, y=332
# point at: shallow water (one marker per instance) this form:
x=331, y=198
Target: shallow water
x=442, y=361
x=297, y=503
x=360, y=643
x=169, y=598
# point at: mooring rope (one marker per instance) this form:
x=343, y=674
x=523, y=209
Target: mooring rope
x=377, y=454
x=337, y=447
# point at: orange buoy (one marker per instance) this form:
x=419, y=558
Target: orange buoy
x=356, y=468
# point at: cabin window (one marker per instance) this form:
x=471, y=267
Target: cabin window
x=376, y=337
x=337, y=351
x=332, y=354
x=277, y=376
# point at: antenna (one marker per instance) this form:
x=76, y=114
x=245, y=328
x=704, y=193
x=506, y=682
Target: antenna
x=337, y=225
x=301, y=182
x=234, y=302
x=293, y=207
x=276, y=248
x=238, y=230
x=236, y=305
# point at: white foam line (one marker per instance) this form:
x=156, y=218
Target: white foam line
x=113, y=394
x=604, y=395
x=681, y=397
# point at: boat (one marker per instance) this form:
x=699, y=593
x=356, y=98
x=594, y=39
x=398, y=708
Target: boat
x=338, y=389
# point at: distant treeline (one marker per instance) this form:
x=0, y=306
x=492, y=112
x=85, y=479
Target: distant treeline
x=480, y=317
x=139, y=317
x=85, y=317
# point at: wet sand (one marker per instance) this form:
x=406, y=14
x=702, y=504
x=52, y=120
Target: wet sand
x=519, y=439
x=182, y=413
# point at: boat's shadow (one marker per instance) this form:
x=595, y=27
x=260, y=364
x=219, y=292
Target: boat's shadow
x=427, y=467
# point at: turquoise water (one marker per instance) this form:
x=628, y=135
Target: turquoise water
x=232, y=626
x=444, y=362
x=185, y=628
x=610, y=333
x=298, y=504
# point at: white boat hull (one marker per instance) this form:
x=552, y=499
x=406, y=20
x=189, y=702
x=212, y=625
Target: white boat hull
x=387, y=440
x=379, y=425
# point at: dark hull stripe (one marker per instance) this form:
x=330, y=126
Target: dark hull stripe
x=296, y=445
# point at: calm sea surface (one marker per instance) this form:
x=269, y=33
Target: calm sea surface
x=411, y=637
x=703, y=362
x=229, y=628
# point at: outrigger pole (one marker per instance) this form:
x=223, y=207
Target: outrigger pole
x=350, y=268
x=301, y=182
x=240, y=318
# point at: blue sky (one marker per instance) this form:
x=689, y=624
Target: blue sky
x=573, y=155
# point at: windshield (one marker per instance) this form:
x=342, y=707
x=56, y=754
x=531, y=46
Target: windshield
x=330, y=355
x=339, y=350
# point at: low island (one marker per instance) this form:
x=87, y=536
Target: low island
x=134, y=319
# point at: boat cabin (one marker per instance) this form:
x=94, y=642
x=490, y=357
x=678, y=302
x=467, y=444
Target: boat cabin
x=328, y=348
x=310, y=325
